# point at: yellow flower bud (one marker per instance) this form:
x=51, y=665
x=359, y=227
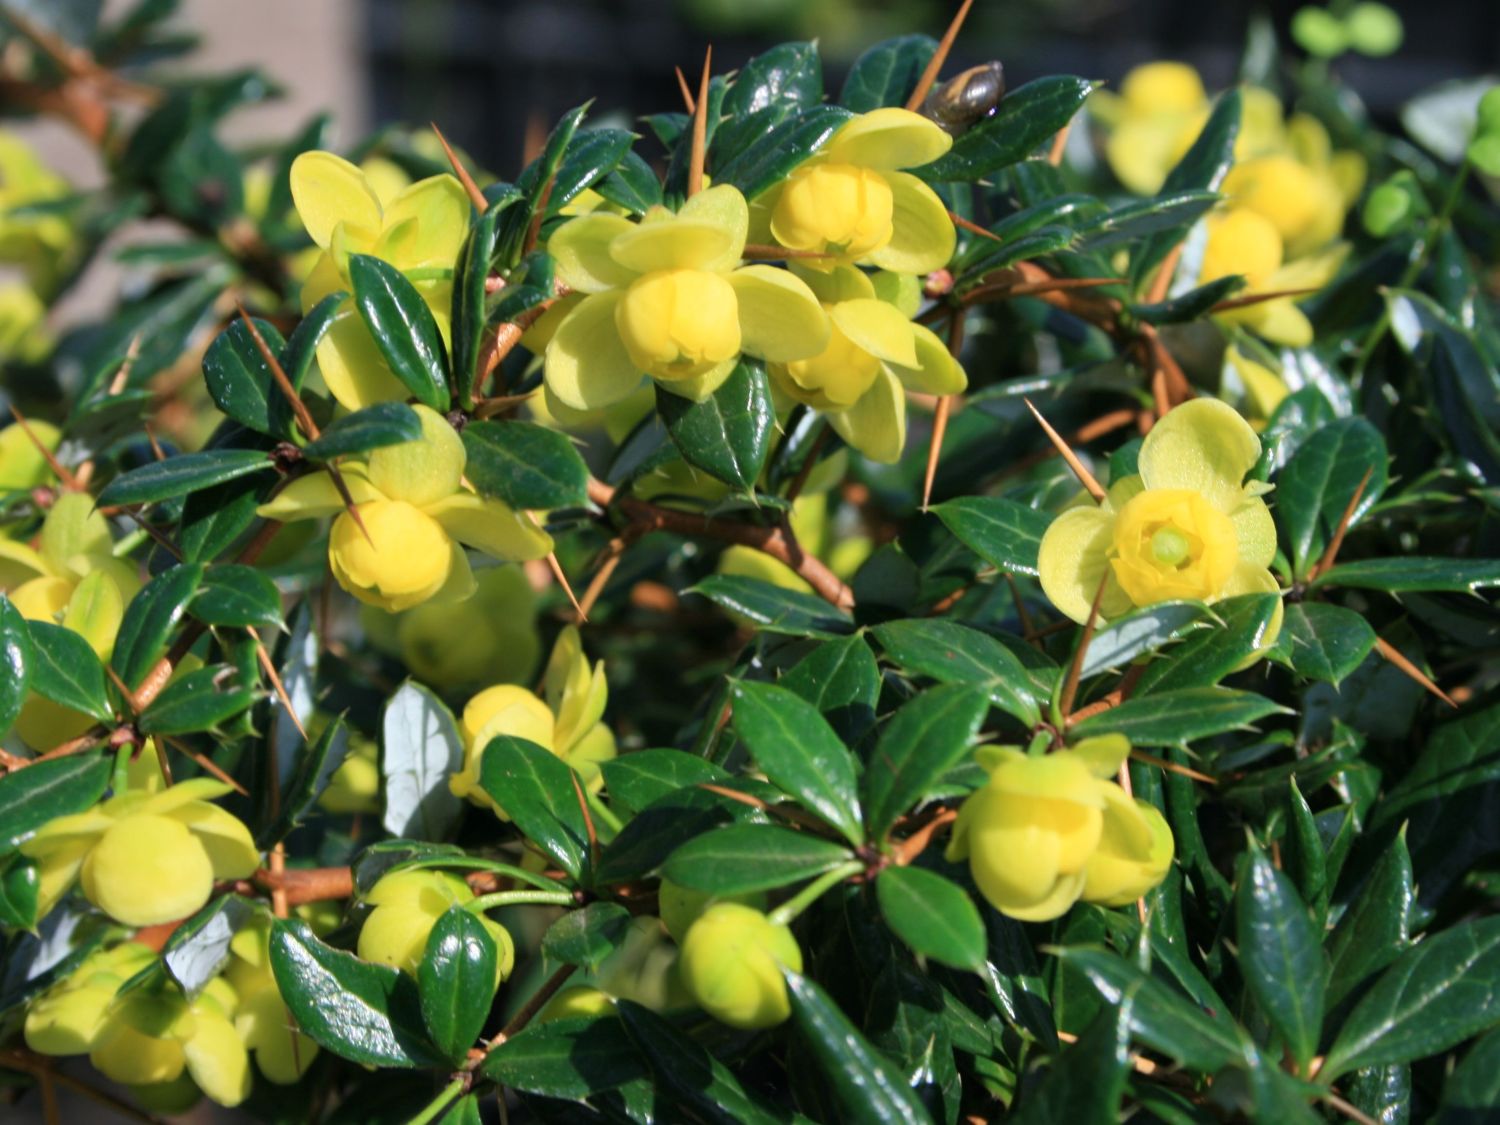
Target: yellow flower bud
x=497, y=626
x=679, y=323
x=1279, y=188
x=1029, y=833
x=1172, y=543
x=21, y=463
x=576, y=1001
x=65, y=1021
x=681, y=906
x=148, y=869
x=1134, y=852
x=407, y=906
x=837, y=209
x=731, y=963
x=405, y=560
x=835, y=379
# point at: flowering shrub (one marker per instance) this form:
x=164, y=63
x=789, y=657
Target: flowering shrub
x=919, y=603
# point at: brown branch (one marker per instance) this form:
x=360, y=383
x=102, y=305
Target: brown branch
x=549, y=988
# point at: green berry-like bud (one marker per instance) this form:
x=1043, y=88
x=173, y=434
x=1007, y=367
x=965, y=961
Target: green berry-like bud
x=731, y=962
x=681, y=906
x=1484, y=153
x=1374, y=29
x=1488, y=123
x=1319, y=32
x=1387, y=209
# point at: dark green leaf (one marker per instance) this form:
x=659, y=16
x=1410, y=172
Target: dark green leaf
x=44, y=791
x=1024, y=119
x=1001, y=532
x=526, y=465
x=728, y=434
x=1192, y=305
x=1413, y=575
x=570, y=1058
x=926, y=738
x=1280, y=954
x=586, y=937
x=1169, y=211
x=366, y=1013
x=457, y=979
x=932, y=915
x=199, y=948
x=633, y=185
x=16, y=660
x=592, y=154
x=421, y=749
x=1161, y=1017
x=149, y=620
x=541, y=794
x=402, y=327
x=799, y=752
x=302, y=348
x=1376, y=928
x=768, y=161
x=470, y=276
x=1315, y=487
x=865, y=1083
x=1324, y=642
x=197, y=701
x=790, y=74
x=841, y=679
x=1436, y=994
x=20, y=891
x=312, y=769
x=1471, y=1095
x=180, y=475
x=215, y=517
x=237, y=596
x=743, y=858
x=385, y=423
x=240, y=382
x=887, y=73
x=65, y=670
x=1207, y=655
x=1142, y=631
x=955, y=654
x=1176, y=718
x=1085, y=1082
x=639, y=778
x=774, y=609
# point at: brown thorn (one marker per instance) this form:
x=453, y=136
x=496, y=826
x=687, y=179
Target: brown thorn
x=973, y=227
x=699, y=151
x=735, y=795
x=1334, y=544
x=913, y=846
x=489, y=407
x=299, y=408
x=534, y=231
x=1086, y=478
x=264, y=658
x=588, y=817
x=156, y=449
x=1258, y=299
x=476, y=197
x=1060, y=144
x=1172, y=767
x=1075, y=669
x=687, y=94
x=162, y=763
x=69, y=481
x=134, y=705
x=122, y=376
x=279, y=904
x=939, y=57
x=942, y=412
x=1164, y=273
x=612, y=555
x=562, y=580
x=1352, y=1112
x=1389, y=651
x=207, y=764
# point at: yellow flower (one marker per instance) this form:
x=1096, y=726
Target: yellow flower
x=40, y=241
x=1135, y=850
x=731, y=963
x=1153, y=120
x=1029, y=831
x=417, y=512
x=23, y=329
x=22, y=465
x=145, y=858
x=568, y=722
x=1186, y=527
x=66, y=1018
x=875, y=354
x=421, y=228
x=407, y=905
x=281, y=1051
x=849, y=201
x=663, y=297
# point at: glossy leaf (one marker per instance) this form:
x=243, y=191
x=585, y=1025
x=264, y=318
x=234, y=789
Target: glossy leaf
x=1024, y=119
x=744, y=858
x=421, y=748
x=887, y=73
x=1207, y=655
x=65, y=670
x=237, y=596
x=570, y=1058
x=402, y=327
x=841, y=679
x=1280, y=954
x=537, y=790
x=789, y=74
x=313, y=765
x=183, y=474
x=239, y=379
x=1325, y=642
x=457, y=981
x=587, y=936
x=1409, y=575
x=526, y=465
x=1315, y=487
x=956, y=654
x=43, y=791
x=199, y=948
x=769, y=160
x=150, y=619
x=470, y=276
x=1376, y=928
x=1087, y=1080
x=639, y=778
x=385, y=423
x=1001, y=532
x=926, y=738
x=17, y=657
x=1141, y=632
x=728, y=434
x=933, y=915
x=1176, y=718
x=199, y=700
x=774, y=609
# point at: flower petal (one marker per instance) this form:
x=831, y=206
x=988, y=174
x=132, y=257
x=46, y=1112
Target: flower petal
x=1074, y=559
x=876, y=424
x=421, y=471
x=587, y=364
x=581, y=249
x=323, y=279
x=724, y=207
x=699, y=387
x=314, y=496
x=780, y=319
x=354, y=371
x=922, y=237
x=1255, y=532
x=491, y=526
x=19, y=563
x=936, y=372
x=877, y=328
x=223, y=836
x=672, y=244
x=886, y=139
x=328, y=190
x=840, y=283
x=440, y=210
x=1202, y=446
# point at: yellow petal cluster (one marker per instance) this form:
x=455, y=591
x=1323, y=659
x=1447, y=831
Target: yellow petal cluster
x=1045, y=832
x=417, y=516
x=1188, y=526
x=851, y=203
x=417, y=227
x=142, y=857
x=667, y=298
x=566, y=719
x=731, y=963
x=407, y=904
x=261, y=1019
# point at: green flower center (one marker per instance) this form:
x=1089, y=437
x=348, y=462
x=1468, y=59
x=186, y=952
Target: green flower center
x=1169, y=546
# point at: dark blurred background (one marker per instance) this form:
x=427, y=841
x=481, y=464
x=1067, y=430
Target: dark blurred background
x=484, y=68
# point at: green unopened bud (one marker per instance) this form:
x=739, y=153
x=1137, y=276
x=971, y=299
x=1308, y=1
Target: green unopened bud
x=1484, y=153
x=681, y=906
x=1488, y=123
x=1319, y=32
x=1374, y=29
x=731, y=962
